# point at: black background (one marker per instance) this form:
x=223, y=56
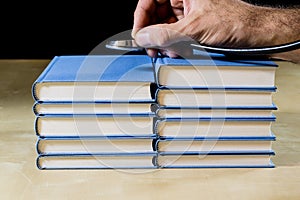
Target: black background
x=50, y=28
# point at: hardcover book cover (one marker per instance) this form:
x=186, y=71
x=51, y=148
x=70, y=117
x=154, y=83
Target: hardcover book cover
x=79, y=126
x=222, y=145
x=97, y=78
x=214, y=128
x=217, y=160
x=107, y=161
x=196, y=72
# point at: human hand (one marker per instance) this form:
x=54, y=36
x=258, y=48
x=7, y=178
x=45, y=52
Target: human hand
x=225, y=23
x=152, y=12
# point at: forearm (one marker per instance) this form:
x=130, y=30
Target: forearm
x=278, y=26
x=235, y=23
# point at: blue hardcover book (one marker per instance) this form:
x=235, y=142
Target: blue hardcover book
x=86, y=126
x=231, y=112
x=198, y=72
x=97, y=161
x=215, y=98
x=215, y=160
x=95, y=146
x=104, y=109
x=221, y=145
x=96, y=78
x=214, y=128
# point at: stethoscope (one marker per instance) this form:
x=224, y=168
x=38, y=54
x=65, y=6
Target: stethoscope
x=131, y=45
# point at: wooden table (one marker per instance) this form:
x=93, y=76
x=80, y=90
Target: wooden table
x=20, y=178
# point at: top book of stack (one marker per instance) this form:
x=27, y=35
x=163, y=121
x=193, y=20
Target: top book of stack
x=96, y=78
x=197, y=73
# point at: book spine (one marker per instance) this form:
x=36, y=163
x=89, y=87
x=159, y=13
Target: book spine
x=34, y=108
x=155, y=162
x=36, y=127
x=41, y=77
x=37, y=146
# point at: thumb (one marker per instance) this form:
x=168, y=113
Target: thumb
x=160, y=35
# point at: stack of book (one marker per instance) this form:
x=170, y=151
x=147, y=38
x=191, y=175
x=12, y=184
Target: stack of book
x=129, y=111
x=95, y=112
x=214, y=112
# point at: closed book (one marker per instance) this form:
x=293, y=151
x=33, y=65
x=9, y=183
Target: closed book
x=106, y=161
x=99, y=109
x=215, y=145
x=213, y=128
x=96, y=78
x=86, y=146
x=95, y=126
x=215, y=160
x=164, y=112
x=214, y=98
x=197, y=72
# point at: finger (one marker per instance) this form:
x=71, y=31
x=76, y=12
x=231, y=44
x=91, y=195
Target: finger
x=177, y=3
x=166, y=38
x=177, y=8
x=160, y=35
x=150, y=12
x=178, y=13
x=152, y=52
x=142, y=15
x=182, y=49
x=168, y=53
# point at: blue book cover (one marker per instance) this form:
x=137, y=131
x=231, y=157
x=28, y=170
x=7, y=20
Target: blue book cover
x=230, y=112
x=97, y=161
x=270, y=137
x=102, y=78
x=95, y=146
x=94, y=126
x=215, y=97
x=215, y=128
x=221, y=145
x=103, y=109
x=198, y=72
x=272, y=107
x=215, y=160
